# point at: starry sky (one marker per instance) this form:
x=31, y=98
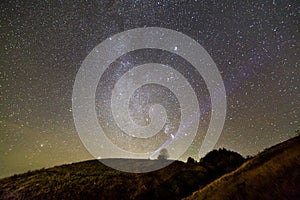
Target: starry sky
x=255, y=46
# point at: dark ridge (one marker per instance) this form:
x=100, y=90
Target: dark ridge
x=221, y=171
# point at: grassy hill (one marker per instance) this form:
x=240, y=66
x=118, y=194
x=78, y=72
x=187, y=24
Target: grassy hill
x=93, y=180
x=221, y=174
x=272, y=174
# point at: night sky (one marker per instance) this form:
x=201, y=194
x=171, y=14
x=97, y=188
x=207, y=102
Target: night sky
x=255, y=46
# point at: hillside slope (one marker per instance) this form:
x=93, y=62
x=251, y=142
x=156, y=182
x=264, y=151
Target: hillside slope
x=93, y=180
x=272, y=174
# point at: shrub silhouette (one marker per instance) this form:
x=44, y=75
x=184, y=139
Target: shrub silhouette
x=221, y=161
x=191, y=160
x=163, y=154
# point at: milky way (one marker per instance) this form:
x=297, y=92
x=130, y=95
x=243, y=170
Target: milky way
x=254, y=45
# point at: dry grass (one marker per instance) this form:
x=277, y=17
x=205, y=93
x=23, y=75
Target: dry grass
x=93, y=180
x=272, y=174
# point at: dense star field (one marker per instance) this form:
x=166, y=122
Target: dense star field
x=43, y=44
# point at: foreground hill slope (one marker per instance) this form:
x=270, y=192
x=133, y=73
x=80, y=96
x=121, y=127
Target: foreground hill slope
x=221, y=174
x=272, y=174
x=93, y=180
